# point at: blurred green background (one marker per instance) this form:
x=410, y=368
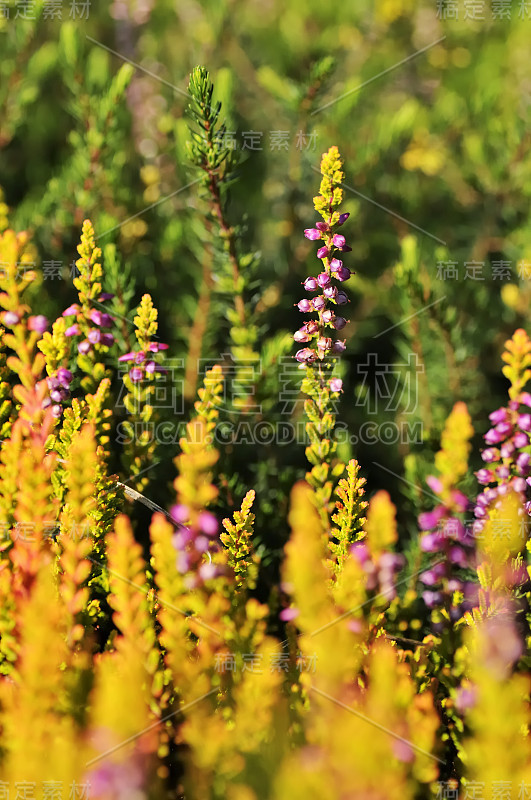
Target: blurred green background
x=429, y=105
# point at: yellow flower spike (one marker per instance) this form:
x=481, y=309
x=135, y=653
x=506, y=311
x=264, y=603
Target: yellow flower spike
x=452, y=459
x=380, y=526
x=517, y=357
x=40, y=740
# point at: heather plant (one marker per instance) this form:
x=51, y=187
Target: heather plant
x=206, y=616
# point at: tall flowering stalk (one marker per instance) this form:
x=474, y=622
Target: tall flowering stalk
x=318, y=356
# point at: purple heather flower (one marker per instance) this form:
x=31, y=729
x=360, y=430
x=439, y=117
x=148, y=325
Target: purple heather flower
x=154, y=347
x=345, y=249
x=312, y=233
x=336, y=385
x=520, y=440
x=84, y=347
x=105, y=296
x=181, y=538
x=403, y=751
x=360, y=551
x=289, y=614
x=11, y=318
x=57, y=411
x=106, y=321
x=343, y=218
x=431, y=542
x=312, y=326
x=94, y=336
x=500, y=415
x=493, y=436
x=335, y=263
x=71, y=310
x=339, y=347
x=465, y=698
x=321, y=226
x=304, y=305
x=64, y=376
x=519, y=485
x=524, y=422
x=484, y=476
x=151, y=367
x=338, y=240
x=507, y=449
x=505, y=428
x=339, y=323
x=323, y=252
x=324, y=343
x=183, y=562
x=201, y=544
x=38, y=323
x=458, y=556
x=429, y=578
x=341, y=298
x=180, y=513
x=208, y=571
x=525, y=398
x=429, y=519
x=107, y=339
x=135, y=374
x=434, y=483
x=311, y=285
x=432, y=599
x=208, y=523
x=503, y=472
x=328, y=315
x=127, y=357
x=73, y=330
x=330, y=292
x=490, y=454
x=342, y=273
x=57, y=395
x=523, y=460
x=305, y=355
x=319, y=303
x=323, y=279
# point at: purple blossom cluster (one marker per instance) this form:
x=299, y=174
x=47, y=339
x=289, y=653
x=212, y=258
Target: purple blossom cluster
x=195, y=542
x=446, y=535
x=507, y=458
x=381, y=572
x=59, y=386
x=94, y=335
x=327, y=299
x=143, y=363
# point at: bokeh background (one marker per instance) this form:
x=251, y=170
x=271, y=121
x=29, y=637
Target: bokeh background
x=429, y=105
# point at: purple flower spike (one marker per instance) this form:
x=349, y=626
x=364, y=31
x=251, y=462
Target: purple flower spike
x=304, y=305
x=11, y=318
x=323, y=252
x=73, y=330
x=336, y=385
x=289, y=614
x=312, y=233
x=338, y=240
x=429, y=519
x=323, y=279
x=84, y=347
x=135, y=374
x=311, y=285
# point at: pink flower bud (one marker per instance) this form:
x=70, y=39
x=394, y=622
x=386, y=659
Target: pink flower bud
x=312, y=233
